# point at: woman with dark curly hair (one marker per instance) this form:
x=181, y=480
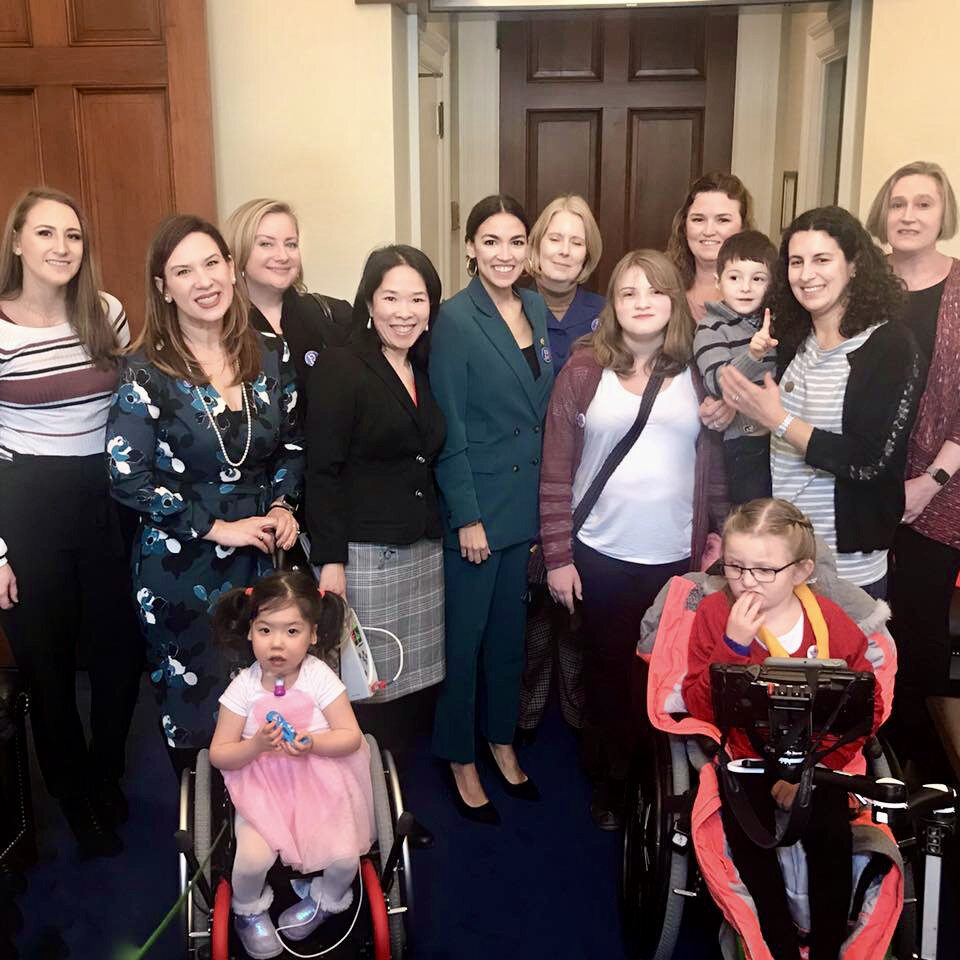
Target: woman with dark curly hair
x=849, y=379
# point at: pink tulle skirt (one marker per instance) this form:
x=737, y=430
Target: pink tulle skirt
x=312, y=810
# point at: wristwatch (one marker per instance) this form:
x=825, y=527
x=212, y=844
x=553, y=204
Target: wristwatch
x=939, y=474
x=781, y=428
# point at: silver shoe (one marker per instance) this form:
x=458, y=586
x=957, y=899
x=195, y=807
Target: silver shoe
x=300, y=920
x=258, y=935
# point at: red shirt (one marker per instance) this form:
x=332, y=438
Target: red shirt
x=847, y=643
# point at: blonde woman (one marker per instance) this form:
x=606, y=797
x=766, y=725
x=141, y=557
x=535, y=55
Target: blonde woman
x=63, y=566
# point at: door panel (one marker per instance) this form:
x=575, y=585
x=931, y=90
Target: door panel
x=624, y=108
x=110, y=101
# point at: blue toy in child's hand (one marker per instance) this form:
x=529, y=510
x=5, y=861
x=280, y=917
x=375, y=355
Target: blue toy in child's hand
x=289, y=734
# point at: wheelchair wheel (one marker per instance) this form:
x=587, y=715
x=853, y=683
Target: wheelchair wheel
x=202, y=834
x=401, y=894
x=653, y=870
x=378, y=911
x=383, y=817
x=184, y=818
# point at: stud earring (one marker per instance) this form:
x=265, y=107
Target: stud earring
x=426, y=326
x=369, y=321
x=167, y=298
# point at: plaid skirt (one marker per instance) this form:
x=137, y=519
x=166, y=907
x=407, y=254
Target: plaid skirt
x=400, y=588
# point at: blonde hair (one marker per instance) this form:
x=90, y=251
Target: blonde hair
x=240, y=231
x=86, y=308
x=607, y=340
x=774, y=518
x=572, y=203
x=876, y=221
x=162, y=339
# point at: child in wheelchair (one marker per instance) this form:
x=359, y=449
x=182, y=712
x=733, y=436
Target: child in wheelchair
x=300, y=780
x=768, y=610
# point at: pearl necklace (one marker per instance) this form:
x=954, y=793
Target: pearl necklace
x=216, y=429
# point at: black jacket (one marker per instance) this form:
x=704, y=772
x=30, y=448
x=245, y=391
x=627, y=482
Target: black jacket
x=370, y=454
x=307, y=327
x=869, y=457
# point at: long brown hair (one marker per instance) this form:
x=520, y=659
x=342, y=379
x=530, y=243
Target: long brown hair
x=678, y=250
x=607, y=340
x=162, y=339
x=86, y=308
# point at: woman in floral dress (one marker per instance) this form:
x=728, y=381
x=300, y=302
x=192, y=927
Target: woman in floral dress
x=203, y=440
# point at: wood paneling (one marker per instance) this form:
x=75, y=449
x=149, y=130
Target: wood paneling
x=658, y=145
x=14, y=23
x=564, y=151
x=115, y=21
x=667, y=46
x=85, y=65
x=22, y=165
x=110, y=122
x=566, y=49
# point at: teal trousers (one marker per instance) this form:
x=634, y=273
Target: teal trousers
x=486, y=610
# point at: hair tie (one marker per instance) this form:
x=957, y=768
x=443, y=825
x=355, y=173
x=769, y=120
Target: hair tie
x=322, y=592
x=248, y=592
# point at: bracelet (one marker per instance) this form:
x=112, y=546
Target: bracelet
x=283, y=505
x=781, y=429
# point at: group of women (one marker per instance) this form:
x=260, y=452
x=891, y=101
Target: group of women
x=425, y=445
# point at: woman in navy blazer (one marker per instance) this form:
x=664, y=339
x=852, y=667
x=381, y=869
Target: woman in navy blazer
x=491, y=372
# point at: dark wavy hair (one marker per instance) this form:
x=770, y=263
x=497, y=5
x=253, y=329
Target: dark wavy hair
x=874, y=294
x=238, y=608
x=486, y=208
x=380, y=261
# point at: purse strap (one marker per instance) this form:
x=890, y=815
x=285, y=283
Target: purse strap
x=616, y=455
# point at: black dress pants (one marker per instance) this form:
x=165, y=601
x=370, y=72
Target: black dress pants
x=616, y=594
x=66, y=550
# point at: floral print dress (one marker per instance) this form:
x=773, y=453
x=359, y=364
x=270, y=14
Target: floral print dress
x=165, y=462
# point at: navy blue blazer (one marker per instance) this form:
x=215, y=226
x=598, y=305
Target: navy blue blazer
x=489, y=467
x=577, y=321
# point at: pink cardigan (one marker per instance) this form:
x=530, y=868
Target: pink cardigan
x=573, y=391
x=938, y=419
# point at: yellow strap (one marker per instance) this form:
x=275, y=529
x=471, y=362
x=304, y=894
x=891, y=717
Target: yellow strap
x=811, y=608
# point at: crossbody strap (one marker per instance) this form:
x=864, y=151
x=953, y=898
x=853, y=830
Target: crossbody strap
x=616, y=455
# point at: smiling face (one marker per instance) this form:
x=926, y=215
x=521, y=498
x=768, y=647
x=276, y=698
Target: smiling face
x=500, y=248
x=198, y=279
x=743, y=285
x=711, y=218
x=915, y=216
x=400, y=307
x=770, y=552
x=643, y=312
x=50, y=244
x=563, y=251
x=274, y=260
x=819, y=273
x=281, y=638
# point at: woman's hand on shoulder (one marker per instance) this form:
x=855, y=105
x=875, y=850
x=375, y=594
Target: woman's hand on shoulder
x=473, y=542
x=250, y=532
x=564, y=585
x=333, y=577
x=8, y=587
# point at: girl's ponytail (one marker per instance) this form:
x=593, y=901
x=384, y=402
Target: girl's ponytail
x=232, y=615
x=330, y=611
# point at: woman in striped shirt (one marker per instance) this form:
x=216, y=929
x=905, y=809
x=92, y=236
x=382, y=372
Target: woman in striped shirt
x=849, y=386
x=63, y=569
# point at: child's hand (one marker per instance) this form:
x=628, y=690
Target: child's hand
x=745, y=619
x=784, y=793
x=299, y=747
x=268, y=738
x=761, y=343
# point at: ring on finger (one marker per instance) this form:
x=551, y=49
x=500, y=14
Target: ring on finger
x=736, y=398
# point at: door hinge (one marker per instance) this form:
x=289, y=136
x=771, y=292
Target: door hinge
x=454, y=215
x=440, y=119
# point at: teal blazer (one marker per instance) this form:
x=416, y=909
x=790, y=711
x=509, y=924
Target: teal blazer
x=489, y=467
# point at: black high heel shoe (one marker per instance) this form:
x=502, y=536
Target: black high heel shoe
x=526, y=790
x=486, y=813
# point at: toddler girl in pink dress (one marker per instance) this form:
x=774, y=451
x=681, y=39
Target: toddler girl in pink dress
x=309, y=799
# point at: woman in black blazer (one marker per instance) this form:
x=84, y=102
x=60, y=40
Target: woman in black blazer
x=264, y=237
x=373, y=433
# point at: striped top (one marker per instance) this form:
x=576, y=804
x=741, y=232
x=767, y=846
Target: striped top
x=53, y=400
x=812, y=389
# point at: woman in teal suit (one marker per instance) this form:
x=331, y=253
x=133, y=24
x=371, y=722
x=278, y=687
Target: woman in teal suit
x=491, y=372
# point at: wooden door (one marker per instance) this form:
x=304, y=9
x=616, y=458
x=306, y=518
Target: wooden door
x=109, y=100
x=624, y=108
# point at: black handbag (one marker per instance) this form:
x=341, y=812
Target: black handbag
x=536, y=568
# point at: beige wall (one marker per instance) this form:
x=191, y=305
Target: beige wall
x=909, y=110
x=305, y=108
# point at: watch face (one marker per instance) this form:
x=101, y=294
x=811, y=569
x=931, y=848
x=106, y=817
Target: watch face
x=941, y=476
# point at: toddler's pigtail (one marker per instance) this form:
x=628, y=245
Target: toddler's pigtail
x=331, y=610
x=232, y=615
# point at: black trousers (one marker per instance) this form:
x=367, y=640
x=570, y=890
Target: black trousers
x=747, y=462
x=616, y=595
x=923, y=574
x=828, y=844
x=66, y=550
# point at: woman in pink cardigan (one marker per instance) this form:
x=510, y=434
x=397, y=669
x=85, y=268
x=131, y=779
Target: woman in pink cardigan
x=913, y=210
x=650, y=521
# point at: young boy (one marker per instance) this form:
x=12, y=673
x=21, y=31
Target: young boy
x=744, y=267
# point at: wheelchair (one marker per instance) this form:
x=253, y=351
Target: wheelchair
x=376, y=926
x=660, y=875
